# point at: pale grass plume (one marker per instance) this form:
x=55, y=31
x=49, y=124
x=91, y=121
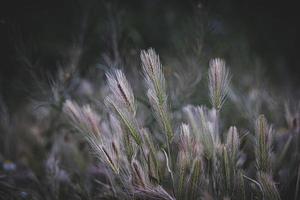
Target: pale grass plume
x=207, y=137
x=139, y=177
x=230, y=156
x=152, y=69
x=156, y=86
x=183, y=159
x=86, y=121
x=156, y=92
x=202, y=124
x=185, y=137
x=233, y=143
x=263, y=147
x=231, y=175
x=122, y=102
x=193, y=119
x=189, y=166
x=219, y=80
x=121, y=89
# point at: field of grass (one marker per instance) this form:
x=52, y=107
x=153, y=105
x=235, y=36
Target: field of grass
x=199, y=119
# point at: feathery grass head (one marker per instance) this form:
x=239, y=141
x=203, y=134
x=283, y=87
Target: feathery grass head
x=121, y=90
x=84, y=119
x=263, y=144
x=233, y=142
x=202, y=127
x=228, y=154
x=86, y=122
x=138, y=175
x=219, y=80
x=155, y=83
x=155, y=79
x=185, y=137
x=189, y=166
x=122, y=102
x=207, y=137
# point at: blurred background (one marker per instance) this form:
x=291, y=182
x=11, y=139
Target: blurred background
x=40, y=36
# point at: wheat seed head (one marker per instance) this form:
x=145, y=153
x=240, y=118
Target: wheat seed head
x=219, y=80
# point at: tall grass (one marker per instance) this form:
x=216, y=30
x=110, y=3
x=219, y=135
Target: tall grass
x=195, y=159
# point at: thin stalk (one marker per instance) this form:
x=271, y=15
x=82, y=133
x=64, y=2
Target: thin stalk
x=255, y=183
x=170, y=172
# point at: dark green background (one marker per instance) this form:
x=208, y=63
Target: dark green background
x=42, y=30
